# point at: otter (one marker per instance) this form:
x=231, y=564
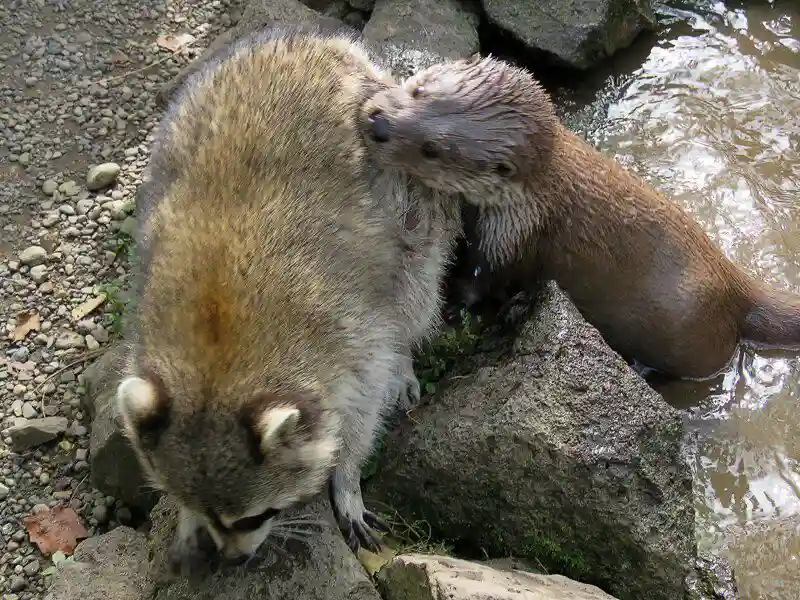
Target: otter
x=551, y=206
x=280, y=286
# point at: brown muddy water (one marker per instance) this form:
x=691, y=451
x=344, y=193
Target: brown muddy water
x=710, y=114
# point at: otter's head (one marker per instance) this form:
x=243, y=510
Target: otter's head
x=478, y=126
x=236, y=462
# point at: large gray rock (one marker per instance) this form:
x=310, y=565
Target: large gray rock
x=444, y=27
x=125, y=565
x=114, y=467
x=578, y=33
x=28, y=433
x=323, y=569
x=427, y=577
x=555, y=451
x=113, y=566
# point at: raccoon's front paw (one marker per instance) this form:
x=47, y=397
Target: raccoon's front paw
x=192, y=551
x=190, y=556
x=405, y=388
x=355, y=521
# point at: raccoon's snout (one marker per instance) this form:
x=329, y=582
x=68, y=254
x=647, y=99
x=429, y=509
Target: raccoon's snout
x=235, y=560
x=379, y=130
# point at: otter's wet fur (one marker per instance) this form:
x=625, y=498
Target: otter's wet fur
x=551, y=206
x=281, y=285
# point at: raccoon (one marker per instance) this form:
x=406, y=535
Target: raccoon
x=281, y=286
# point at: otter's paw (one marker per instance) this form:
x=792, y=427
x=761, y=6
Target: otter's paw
x=514, y=311
x=405, y=388
x=355, y=521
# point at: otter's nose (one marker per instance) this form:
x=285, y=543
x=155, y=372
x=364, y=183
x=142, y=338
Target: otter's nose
x=380, y=126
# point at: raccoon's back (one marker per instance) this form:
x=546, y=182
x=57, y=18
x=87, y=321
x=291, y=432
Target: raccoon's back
x=281, y=268
x=264, y=242
x=288, y=106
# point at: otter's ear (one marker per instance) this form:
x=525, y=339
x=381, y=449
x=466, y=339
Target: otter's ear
x=144, y=407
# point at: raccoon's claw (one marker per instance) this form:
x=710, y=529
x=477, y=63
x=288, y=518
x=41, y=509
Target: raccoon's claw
x=375, y=522
x=357, y=530
x=406, y=390
x=358, y=534
x=409, y=394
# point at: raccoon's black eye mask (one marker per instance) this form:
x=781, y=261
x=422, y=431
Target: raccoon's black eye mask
x=254, y=522
x=247, y=523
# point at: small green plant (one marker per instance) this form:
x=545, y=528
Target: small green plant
x=125, y=245
x=448, y=351
x=57, y=558
x=115, y=305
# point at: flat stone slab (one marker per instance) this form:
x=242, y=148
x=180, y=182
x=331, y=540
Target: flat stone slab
x=429, y=577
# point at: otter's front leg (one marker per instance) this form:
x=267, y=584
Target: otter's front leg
x=358, y=436
x=192, y=549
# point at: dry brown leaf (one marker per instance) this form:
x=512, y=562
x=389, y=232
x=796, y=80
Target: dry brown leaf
x=174, y=41
x=55, y=530
x=119, y=58
x=85, y=308
x=26, y=322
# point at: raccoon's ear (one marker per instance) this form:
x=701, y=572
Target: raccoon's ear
x=144, y=407
x=271, y=420
x=277, y=425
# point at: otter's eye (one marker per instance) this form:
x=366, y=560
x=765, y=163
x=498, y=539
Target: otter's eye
x=254, y=522
x=429, y=150
x=417, y=91
x=504, y=170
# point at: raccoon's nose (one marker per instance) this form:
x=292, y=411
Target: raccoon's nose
x=235, y=561
x=380, y=126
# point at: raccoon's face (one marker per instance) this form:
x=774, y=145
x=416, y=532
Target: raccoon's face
x=237, y=465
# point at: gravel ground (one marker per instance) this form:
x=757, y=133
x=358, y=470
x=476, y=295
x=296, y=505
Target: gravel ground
x=74, y=93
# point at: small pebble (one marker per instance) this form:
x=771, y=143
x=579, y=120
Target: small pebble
x=49, y=187
x=100, y=513
x=18, y=584
x=32, y=568
x=32, y=256
x=102, y=176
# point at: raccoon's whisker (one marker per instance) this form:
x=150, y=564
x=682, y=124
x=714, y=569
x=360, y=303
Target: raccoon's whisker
x=310, y=522
x=299, y=517
x=290, y=531
x=270, y=545
x=147, y=488
x=287, y=538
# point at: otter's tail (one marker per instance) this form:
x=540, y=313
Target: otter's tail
x=774, y=320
